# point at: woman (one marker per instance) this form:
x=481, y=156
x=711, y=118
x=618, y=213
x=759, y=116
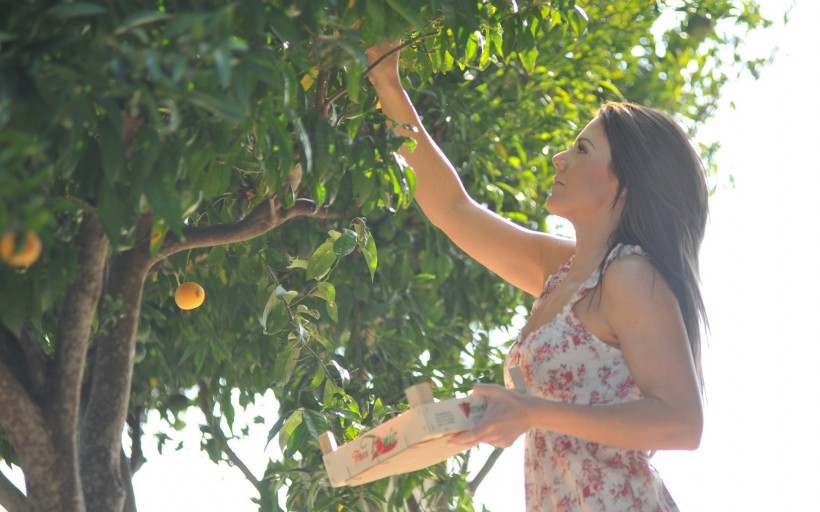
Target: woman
x=610, y=352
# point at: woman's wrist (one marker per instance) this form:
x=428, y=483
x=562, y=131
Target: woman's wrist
x=386, y=81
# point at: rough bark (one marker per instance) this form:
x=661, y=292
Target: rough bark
x=25, y=428
x=74, y=330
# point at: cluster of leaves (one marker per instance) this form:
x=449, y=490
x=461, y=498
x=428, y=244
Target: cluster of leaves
x=192, y=113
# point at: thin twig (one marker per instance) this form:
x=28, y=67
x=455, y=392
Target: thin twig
x=491, y=460
x=216, y=431
x=341, y=92
x=11, y=497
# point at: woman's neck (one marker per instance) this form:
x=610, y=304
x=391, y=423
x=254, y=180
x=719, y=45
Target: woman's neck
x=591, y=245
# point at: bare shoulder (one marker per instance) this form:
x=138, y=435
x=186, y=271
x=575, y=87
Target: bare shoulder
x=638, y=303
x=634, y=274
x=632, y=287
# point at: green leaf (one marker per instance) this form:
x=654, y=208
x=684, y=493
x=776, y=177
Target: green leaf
x=374, y=19
x=162, y=196
x=345, y=244
x=295, y=440
x=115, y=210
x=273, y=302
x=140, y=19
x=280, y=422
x=579, y=20
x=283, y=145
x=307, y=147
x=216, y=106
x=368, y=247
x=332, y=311
x=401, y=8
x=112, y=151
x=289, y=427
x=321, y=261
x=315, y=422
x=222, y=61
x=528, y=59
x=325, y=290
x=76, y=9
x=285, y=364
x=301, y=309
x=146, y=151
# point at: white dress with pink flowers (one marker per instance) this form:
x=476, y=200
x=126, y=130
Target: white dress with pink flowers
x=563, y=361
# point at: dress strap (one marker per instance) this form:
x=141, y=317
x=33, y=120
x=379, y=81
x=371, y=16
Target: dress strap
x=553, y=280
x=617, y=252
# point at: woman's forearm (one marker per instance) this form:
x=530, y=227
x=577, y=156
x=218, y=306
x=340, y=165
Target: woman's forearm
x=438, y=186
x=645, y=424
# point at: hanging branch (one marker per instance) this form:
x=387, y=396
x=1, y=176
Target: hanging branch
x=205, y=405
x=265, y=217
x=491, y=460
x=11, y=497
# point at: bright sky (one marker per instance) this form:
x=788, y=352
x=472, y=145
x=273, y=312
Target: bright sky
x=761, y=281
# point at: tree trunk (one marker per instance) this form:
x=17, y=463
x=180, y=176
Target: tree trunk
x=104, y=484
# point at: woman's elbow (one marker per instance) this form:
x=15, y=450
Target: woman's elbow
x=689, y=432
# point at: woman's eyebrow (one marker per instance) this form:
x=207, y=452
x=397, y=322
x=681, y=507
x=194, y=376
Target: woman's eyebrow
x=587, y=141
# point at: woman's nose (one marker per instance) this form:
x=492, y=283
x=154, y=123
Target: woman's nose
x=558, y=161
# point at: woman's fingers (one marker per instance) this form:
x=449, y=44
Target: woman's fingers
x=383, y=61
x=374, y=53
x=502, y=423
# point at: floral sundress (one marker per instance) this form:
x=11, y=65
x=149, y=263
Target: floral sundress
x=563, y=361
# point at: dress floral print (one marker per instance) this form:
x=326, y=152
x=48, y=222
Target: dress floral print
x=563, y=361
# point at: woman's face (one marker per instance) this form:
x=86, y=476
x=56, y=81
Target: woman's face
x=584, y=185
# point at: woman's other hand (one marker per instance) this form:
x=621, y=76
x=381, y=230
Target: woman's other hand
x=503, y=422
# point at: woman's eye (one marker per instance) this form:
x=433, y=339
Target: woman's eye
x=582, y=149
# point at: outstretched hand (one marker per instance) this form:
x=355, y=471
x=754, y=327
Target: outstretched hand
x=504, y=421
x=384, y=57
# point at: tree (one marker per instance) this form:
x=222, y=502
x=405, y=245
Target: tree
x=238, y=145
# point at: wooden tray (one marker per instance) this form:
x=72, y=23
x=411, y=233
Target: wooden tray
x=416, y=439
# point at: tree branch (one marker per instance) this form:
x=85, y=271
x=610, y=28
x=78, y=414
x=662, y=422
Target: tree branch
x=26, y=430
x=216, y=431
x=130, y=504
x=265, y=217
x=11, y=497
x=75, y=324
x=137, y=456
x=491, y=460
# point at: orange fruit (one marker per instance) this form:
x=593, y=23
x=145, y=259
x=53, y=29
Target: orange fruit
x=27, y=255
x=189, y=295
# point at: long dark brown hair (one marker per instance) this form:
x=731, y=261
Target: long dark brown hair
x=666, y=204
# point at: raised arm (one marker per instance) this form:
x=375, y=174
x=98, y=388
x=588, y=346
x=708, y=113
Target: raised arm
x=520, y=256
